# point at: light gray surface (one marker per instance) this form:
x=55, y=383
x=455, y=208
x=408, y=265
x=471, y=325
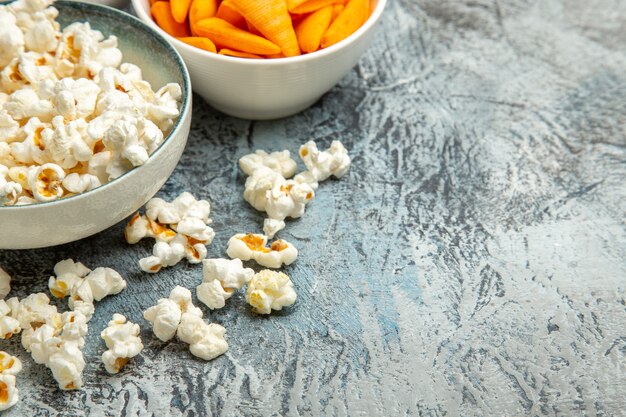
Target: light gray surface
x=471, y=263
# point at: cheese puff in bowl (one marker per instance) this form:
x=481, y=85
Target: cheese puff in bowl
x=264, y=59
x=95, y=110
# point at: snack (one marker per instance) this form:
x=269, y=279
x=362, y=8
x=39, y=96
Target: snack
x=221, y=278
x=177, y=315
x=84, y=286
x=270, y=290
x=72, y=115
x=123, y=343
x=253, y=247
x=181, y=229
x=261, y=28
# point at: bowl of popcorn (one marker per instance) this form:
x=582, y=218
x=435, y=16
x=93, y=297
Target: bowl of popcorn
x=95, y=109
x=264, y=59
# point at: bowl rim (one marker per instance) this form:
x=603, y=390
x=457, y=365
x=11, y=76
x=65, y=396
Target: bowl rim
x=369, y=23
x=184, y=108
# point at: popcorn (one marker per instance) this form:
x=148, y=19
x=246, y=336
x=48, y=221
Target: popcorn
x=8, y=392
x=5, y=283
x=272, y=226
x=163, y=254
x=288, y=200
x=45, y=182
x=25, y=103
x=166, y=314
x=33, y=311
x=280, y=162
x=270, y=290
x=161, y=211
x=164, y=317
x=79, y=183
x=11, y=38
x=180, y=228
x=65, y=142
x=9, y=365
x=67, y=365
x=9, y=190
x=100, y=283
x=206, y=341
x=67, y=101
x=182, y=297
x=32, y=149
x=196, y=229
x=59, y=348
x=258, y=184
x=68, y=274
x=252, y=247
x=321, y=165
x=123, y=343
x=76, y=98
x=137, y=228
x=221, y=278
x=8, y=325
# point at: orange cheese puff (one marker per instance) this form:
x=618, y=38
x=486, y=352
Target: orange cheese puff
x=201, y=9
x=238, y=54
x=309, y=32
x=337, y=9
x=253, y=30
x=312, y=5
x=292, y=4
x=199, y=42
x=354, y=14
x=154, y=1
x=180, y=9
x=163, y=17
x=275, y=55
x=228, y=12
x=225, y=35
x=272, y=19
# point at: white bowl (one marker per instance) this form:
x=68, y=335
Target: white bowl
x=76, y=217
x=268, y=88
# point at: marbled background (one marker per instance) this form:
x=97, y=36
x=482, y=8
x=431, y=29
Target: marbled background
x=472, y=262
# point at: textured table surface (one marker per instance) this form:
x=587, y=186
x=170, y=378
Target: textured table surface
x=472, y=262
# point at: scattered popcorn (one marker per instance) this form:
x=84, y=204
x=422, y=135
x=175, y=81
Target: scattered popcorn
x=177, y=315
x=100, y=283
x=270, y=290
x=288, y=200
x=8, y=325
x=59, y=347
x=8, y=392
x=165, y=315
x=253, y=247
x=72, y=115
x=272, y=226
x=32, y=312
x=5, y=283
x=258, y=184
x=182, y=297
x=138, y=227
x=123, y=343
x=221, y=278
x=9, y=365
x=68, y=274
x=206, y=341
x=280, y=162
x=67, y=365
x=181, y=230
x=322, y=164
